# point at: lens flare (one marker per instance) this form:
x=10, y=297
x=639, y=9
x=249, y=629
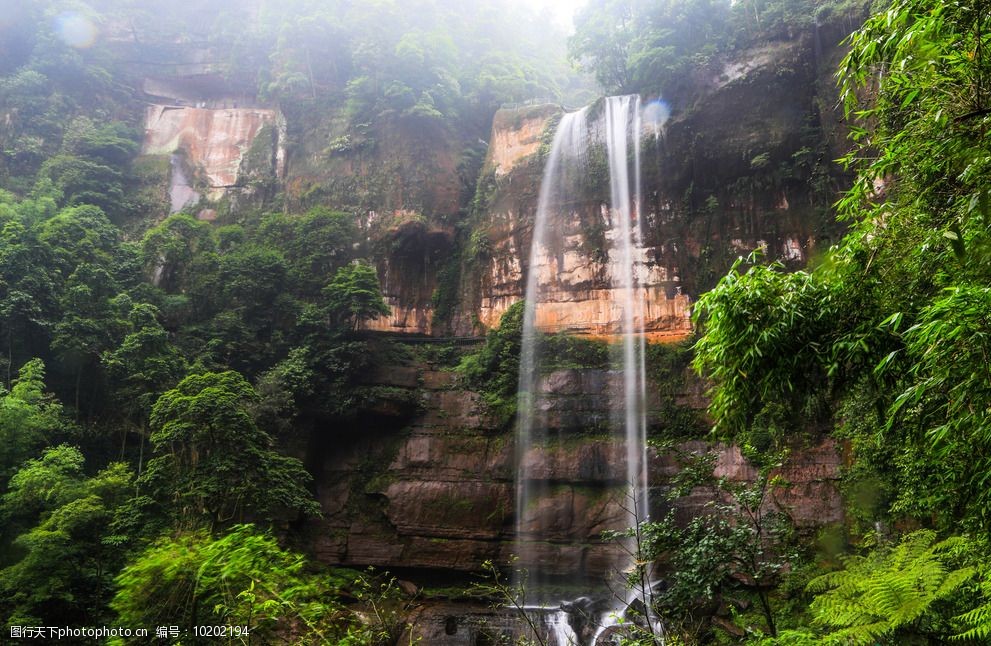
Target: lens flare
x=656, y=114
x=74, y=29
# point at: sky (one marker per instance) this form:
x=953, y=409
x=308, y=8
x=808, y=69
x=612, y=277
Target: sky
x=563, y=10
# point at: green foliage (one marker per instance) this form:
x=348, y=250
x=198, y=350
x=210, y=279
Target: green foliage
x=650, y=46
x=926, y=121
x=143, y=366
x=29, y=418
x=494, y=370
x=907, y=593
x=212, y=463
x=172, y=251
x=354, y=296
x=80, y=235
x=948, y=396
x=64, y=558
x=978, y=620
x=890, y=326
x=242, y=578
x=764, y=343
x=27, y=288
x=569, y=352
x=889, y=331
x=669, y=370
x=745, y=545
x=314, y=245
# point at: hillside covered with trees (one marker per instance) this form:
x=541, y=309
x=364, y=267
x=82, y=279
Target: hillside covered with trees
x=163, y=375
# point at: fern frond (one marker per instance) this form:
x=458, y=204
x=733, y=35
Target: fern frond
x=953, y=582
x=831, y=580
x=980, y=621
x=863, y=635
x=893, y=589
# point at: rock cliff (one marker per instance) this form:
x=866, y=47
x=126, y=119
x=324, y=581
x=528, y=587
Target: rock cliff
x=214, y=145
x=742, y=164
x=438, y=494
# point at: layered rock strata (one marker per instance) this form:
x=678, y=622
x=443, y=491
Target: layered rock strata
x=439, y=493
x=743, y=164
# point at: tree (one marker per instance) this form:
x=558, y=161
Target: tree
x=880, y=328
x=171, y=249
x=29, y=418
x=258, y=312
x=743, y=543
x=244, y=579
x=67, y=557
x=765, y=341
x=80, y=235
x=143, y=367
x=353, y=296
x=241, y=579
x=315, y=246
x=212, y=463
x=26, y=291
x=89, y=325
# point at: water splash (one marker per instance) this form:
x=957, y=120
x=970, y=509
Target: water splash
x=560, y=630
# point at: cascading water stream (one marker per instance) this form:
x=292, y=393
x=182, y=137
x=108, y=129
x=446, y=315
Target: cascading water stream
x=582, y=142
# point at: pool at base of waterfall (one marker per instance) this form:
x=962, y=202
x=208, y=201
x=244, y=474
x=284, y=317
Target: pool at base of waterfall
x=591, y=621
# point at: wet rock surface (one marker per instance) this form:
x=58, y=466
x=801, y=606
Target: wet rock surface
x=439, y=493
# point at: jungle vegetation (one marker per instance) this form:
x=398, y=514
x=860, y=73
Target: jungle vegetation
x=884, y=340
x=155, y=371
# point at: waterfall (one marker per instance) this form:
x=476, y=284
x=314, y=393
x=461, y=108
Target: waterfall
x=181, y=194
x=586, y=144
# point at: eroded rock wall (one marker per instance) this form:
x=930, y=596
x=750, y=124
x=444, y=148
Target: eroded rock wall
x=437, y=492
x=212, y=143
x=743, y=164
x=402, y=178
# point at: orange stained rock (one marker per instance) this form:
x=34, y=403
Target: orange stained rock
x=213, y=140
x=516, y=136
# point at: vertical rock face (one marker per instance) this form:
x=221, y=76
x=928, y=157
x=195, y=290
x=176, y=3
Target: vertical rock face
x=409, y=251
x=402, y=180
x=581, y=296
x=518, y=135
x=742, y=165
x=581, y=274
x=439, y=494
x=214, y=143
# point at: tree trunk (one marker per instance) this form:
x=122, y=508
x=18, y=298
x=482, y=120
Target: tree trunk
x=768, y=615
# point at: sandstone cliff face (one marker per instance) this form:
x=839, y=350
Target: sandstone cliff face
x=402, y=178
x=743, y=164
x=212, y=142
x=223, y=144
x=440, y=492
